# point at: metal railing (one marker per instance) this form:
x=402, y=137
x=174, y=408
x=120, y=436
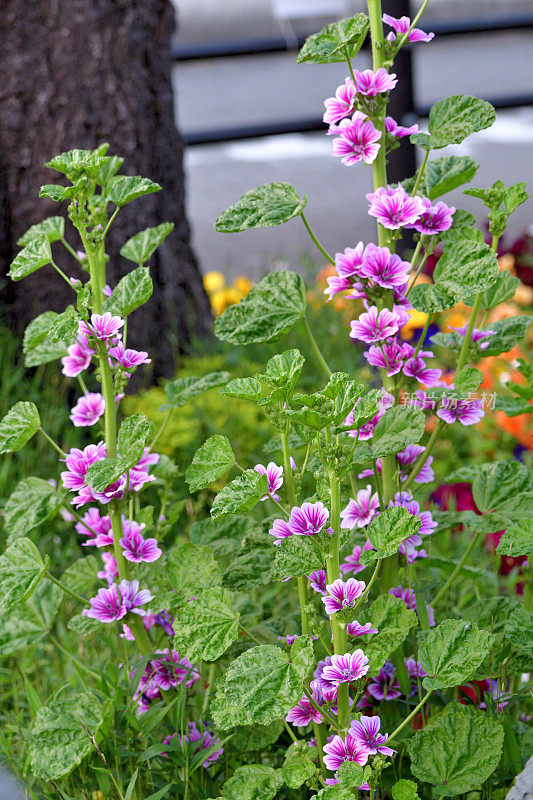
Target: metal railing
x=402, y=105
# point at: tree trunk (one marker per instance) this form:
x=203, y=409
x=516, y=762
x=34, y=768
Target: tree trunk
x=76, y=73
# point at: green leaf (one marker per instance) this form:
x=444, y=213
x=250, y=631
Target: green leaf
x=329, y=406
x=253, y=566
x=336, y=42
x=85, y=626
x=77, y=163
x=333, y=793
x=519, y=629
x=393, y=621
x=132, y=291
x=64, y=328
x=206, y=625
x=53, y=228
x=102, y=474
x=143, y=245
x=262, y=207
x=256, y=737
x=253, y=782
x=498, y=193
x=61, y=734
x=37, y=349
x=56, y=192
x=517, y=540
x=214, y=458
x=467, y=380
x=181, y=390
x=465, y=268
x=81, y=575
x=387, y=531
x=243, y=388
x=404, y=790
x=20, y=423
x=452, y=652
x=453, y=119
x=398, y=427
x=498, y=483
x=107, y=171
x=240, y=495
x=507, y=333
x=463, y=227
x=351, y=774
x=297, y=770
x=446, y=174
x=33, y=256
x=502, y=290
x=123, y=189
x=269, y=310
x=457, y=751
x=133, y=437
x=262, y=684
x=21, y=569
x=298, y=555
x=283, y=369
x=187, y=570
x=33, y=502
x=27, y=624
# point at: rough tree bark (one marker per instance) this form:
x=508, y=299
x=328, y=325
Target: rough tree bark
x=76, y=73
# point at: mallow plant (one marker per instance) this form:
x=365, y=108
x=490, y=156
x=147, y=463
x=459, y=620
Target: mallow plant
x=301, y=642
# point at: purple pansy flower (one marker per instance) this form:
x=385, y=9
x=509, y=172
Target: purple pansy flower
x=365, y=731
x=341, y=594
x=361, y=511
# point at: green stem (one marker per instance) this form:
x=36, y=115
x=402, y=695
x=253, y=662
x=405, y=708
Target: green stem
x=423, y=335
x=420, y=173
x=415, y=710
x=316, y=349
x=379, y=165
x=333, y=572
x=73, y=658
x=71, y=250
x=402, y=677
x=422, y=611
x=250, y=635
x=162, y=427
x=60, y=272
x=457, y=569
x=368, y=586
x=110, y=220
x=51, y=441
x=378, y=487
x=319, y=729
x=463, y=355
x=318, y=708
x=315, y=240
x=405, y=36
x=421, y=460
x=210, y=682
x=66, y=589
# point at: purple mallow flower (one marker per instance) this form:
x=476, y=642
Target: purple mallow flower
x=392, y=127
x=308, y=519
x=435, y=219
x=342, y=594
x=102, y=326
x=280, y=530
x=394, y=208
x=110, y=570
x=199, y=742
x=136, y=548
x=127, y=358
x=78, y=359
x=356, y=629
x=274, y=478
x=383, y=267
x=384, y=686
x=374, y=325
x=317, y=581
x=370, y=83
x=408, y=457
x=467, y=412
x=113, y=603
x=415, y=672
x=351, y=562
x=401, y=25
x=409, y=598
x=346, y=668
x=304, y=712
x=338, y=751
x=365, y=731
x=361, y=511
x=477, y=335
x=405, y=500
x=357, y=140
x=341, y=105
x=88, y=410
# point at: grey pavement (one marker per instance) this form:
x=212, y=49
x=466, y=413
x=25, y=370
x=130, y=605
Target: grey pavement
x=219, y=93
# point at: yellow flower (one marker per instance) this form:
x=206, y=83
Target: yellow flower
x=417, y=320
x=97, y=795
x=221, y=300
x=242, y=284
x=214, y=282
